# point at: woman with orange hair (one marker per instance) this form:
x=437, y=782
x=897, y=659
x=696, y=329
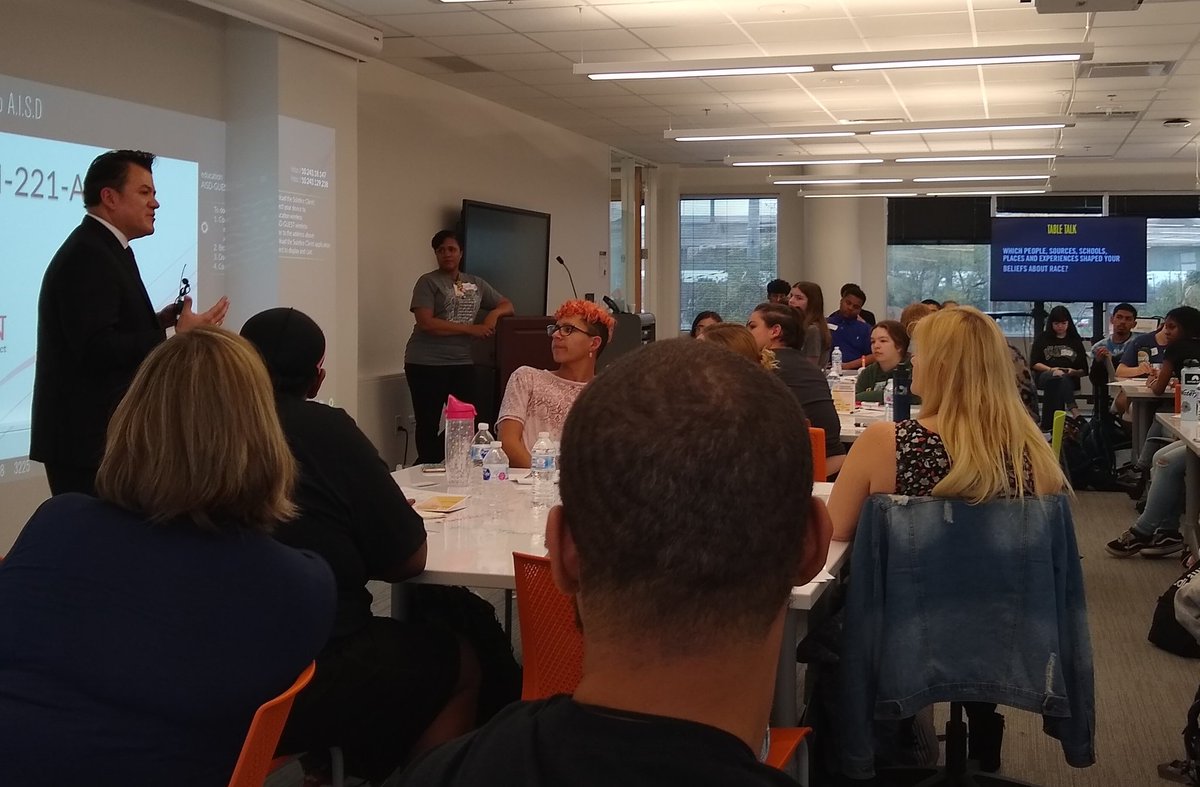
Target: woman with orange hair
x=536, y=400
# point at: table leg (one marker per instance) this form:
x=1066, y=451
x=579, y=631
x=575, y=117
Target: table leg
x=1143, y=411
x=1191, y=516
x=784, y=712
x=508, y=598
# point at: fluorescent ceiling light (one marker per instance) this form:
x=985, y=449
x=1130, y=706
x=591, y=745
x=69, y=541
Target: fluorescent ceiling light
x=765, y=135
x=999, y=192
x=989, y=157
x=802, y=64
x=969, y=129
x=832, y=181
x=806, y=195
x=975, y=178
x=806, y=162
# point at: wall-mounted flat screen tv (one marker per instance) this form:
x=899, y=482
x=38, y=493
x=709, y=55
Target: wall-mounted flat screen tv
x=510, y=249
x=1069, y=258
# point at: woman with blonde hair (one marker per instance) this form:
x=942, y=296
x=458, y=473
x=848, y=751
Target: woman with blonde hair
x=164, y=610
x=972, y=439
x=739, y=339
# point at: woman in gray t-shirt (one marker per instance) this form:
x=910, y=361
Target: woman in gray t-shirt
x=437, y=362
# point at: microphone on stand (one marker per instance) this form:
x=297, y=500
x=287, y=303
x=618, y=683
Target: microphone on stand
x=569, y=277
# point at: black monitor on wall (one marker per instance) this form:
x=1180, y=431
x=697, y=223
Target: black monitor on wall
x=1068, y=258
x=510, y=249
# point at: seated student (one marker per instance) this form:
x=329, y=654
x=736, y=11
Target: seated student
x=851, y=334
x=1155, y=533
x=777, y=328
x=1142, y=353
x=863, y=314
x=1058, y=361
x=384, y=690
x=703, y=321
x=807, y=298
x=536, y=400
x=144, y=628
x=972, y=440
x=778, y=291
x=1112, y=348
x=739, y=339
x=680, y=597
x=889, y=348
x=913, y=313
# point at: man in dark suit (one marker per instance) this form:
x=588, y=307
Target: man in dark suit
x=95, y=321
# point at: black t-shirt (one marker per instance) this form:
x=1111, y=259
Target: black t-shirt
x=811, y=389
x=561, y=743
x=1179, y=352
x=1058, y=353
x=352, y=513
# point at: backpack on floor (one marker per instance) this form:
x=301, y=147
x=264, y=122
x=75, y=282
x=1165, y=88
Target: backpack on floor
x=1166, y=631
x=1088, y=454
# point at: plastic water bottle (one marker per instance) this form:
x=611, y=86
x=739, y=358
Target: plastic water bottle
x=835, y=362
x=541, y=468
x=1189, y=395
x=495, y=465
x=479, y=448
x=460, y=422
x=889, y=400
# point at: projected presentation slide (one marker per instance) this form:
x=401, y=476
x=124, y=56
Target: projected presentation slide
x=1068, y=259
x=41, y=202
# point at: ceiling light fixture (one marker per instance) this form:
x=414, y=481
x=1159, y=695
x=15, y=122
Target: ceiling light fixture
x=842, y=130
x=764, y=135
x=806, y=195
x=969, y=129
x=979, y=178
x=805, y=162
x=793, y=64
x=991, y=157
x=831, y=181
x=993, y=193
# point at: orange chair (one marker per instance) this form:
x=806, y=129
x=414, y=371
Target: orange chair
x=552, y=648
x=258, y=752
x=816, y=436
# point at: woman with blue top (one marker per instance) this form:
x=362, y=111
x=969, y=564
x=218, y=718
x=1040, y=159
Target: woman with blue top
x=446, y=304
x=889, y=348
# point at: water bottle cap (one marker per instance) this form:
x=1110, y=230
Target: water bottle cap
x=459, y=410
x=483, y=426
x=495, y=444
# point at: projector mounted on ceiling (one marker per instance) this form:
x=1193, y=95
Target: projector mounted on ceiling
x=1083, y=6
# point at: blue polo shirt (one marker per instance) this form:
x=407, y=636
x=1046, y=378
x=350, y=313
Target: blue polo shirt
x=851, y=336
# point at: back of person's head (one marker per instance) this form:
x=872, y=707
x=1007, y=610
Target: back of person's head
x=688, y=508
x=963, y=372
x=788, y=320
x=914, y=312
x=599, y=321
x=701, y=317
x=739, y=339
x=1188, y=320
x=850, y=288
x=291, y=344
x=109, y=170
x=897, y=333
x=197, y=438
x=933, y=303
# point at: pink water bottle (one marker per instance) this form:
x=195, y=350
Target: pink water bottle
x=460, y=430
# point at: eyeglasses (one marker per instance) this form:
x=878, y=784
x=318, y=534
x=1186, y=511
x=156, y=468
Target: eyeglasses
x=566, y=329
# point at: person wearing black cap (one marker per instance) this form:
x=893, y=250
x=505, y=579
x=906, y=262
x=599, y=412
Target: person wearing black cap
x=384, y=690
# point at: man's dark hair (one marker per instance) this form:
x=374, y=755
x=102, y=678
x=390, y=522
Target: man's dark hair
x=850, y=288
x=110, y=170
x=291, y=345
x=442, y=235
x=688, y=508
x=1125, y=307
x=778, y=287
x=788, y=318
x=1188, y=320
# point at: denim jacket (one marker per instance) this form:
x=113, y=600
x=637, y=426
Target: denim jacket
x=953, y=601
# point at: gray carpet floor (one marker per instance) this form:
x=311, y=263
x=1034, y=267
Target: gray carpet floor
x=1142, y=693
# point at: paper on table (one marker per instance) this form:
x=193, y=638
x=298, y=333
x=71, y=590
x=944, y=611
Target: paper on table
x=440, y=504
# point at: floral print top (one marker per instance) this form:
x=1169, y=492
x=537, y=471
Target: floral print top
x=922, y=461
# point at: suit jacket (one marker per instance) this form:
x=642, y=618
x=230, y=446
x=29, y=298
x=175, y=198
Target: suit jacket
x=95, y=325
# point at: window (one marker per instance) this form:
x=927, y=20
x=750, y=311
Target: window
x=727, y=254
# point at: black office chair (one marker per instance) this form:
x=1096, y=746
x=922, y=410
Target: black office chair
x=953, y=602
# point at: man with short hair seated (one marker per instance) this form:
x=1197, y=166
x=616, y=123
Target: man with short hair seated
x=680, y=553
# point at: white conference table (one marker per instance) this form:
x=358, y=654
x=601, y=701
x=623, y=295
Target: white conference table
x=1143, y=403
x=474, y=546
x=1189, y=433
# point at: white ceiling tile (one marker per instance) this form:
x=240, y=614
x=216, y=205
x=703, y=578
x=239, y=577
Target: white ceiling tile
x=1025, y=20
x=416, y=65
x=607, y=102
x=1182, y=107
x=523, y=62
x=805, y=34
x=813, y=49
x=639, y=55
x=703, y=52
x=1165, y=150
x=541, y=20
x=548, y=76
x=586, y=87
x=894, y=25
x=1029, y=73
x=574, y=41
x=1141, y=53
x=444, y=24
x=1145, y=35
x=1121, y=84
x=666, y=14
x=503, y=44
x=1017, y=37
x=691, y=35
x=786, y=11
x=922, y=77
x=666, y=87
x=1165, y=13
x=411, y=47
x=480, y=80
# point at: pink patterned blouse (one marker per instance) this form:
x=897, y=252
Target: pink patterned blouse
x=540, y=401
